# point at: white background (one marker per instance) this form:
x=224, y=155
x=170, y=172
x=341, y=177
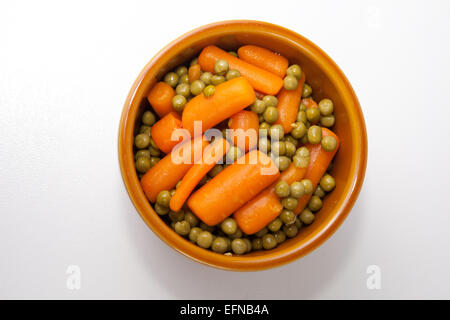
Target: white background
x=65, y=71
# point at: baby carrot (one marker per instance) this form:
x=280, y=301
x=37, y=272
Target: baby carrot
x=194, y=72
x=233, y=187
x=161, y=131
x=288, y=103
x=260, y=79
x=266, y=206
x=318, y=164
x=230, y=97
x=165, y=174
x=213, y=153
x=160, y=98
x=264, y=59
x=245, y=127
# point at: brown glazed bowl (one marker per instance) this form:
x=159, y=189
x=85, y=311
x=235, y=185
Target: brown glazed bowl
x=326, y=79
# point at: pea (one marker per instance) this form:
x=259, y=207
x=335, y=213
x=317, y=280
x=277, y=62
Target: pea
x=142, y=153
x=197, y=87
x=278, y=148
x=326, y=107
x=153, y=161
x=248, y=243
x=219, y=245
x=299, y=130
x=261, y=232
x=237, y=234
x=302, y=152
x=231, y=74
x=264, y=126
x=289, y=203
x=234, y=54
x=257, y=244
x=301, y=116
x=229, y=226
x=153, y=143
x=176, y=216
x=258, y=106
x=307, y=185
x=163, y=198
x=206, y=77
x=282, y=162
x=190, y=218
x=275, y=225
x=287, y=216
x=315, y=204
x=154, y=151
x=327, y=183
x=276, y=132
x=148, y=118
x=290, y=83
x=291, y=230
x=221, y=67
x=314, y=134
x=313, y=115
x=319, y=192
x=182, y=228
x=181, y=70
x=143, y=164
x=209, y=91
x=183, y=89
x=193, y=234
x=327, y=121
x=145, y=129
x=294, y=70
x=238, y=246
x=329, y=143
x=171, y=79
x=282, y=189
x=270, y=101
x=298, y=223
x=205, y=227
x=306, y=216
x=204, y=239
x=142, y=140
x=269, y=242
x=216, y=80
x=300, y=162
x=290, y=148
x=264, y=145
x=270, y=114
x=161, y=210
x=307, y=91
x=304, y=139
x=178, y=102
x=302, y=107
x=233, y=154
x=291, y=139
x=184, y=79
x=297, y=190
x=215, y=170
x=280, y=236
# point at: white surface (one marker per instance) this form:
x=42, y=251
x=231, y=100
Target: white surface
x=65, y=71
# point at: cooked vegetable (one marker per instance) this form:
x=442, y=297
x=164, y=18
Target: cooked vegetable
x=194, y=73
x=264, y=59
x=244, y=133
x=160, y=98
x=162, y=132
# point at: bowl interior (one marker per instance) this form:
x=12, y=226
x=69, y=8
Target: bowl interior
x=325, y=79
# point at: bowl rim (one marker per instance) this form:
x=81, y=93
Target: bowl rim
x=206, y=257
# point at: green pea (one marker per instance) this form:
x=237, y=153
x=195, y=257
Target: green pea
x=184, y=79
x=261, y=232
x=171, y=79
x=291, y=139
x=172, y=192
x=287, y=216
x=300, y=162
x=215, y=170
x=304, y=139
x=270, y=114
x=229, y=226
x=142, y=153
x=148, y=118
x=181, y=70
x=314, y=134
x=238, y=246
x=257, y=244
x=248, y=243
x=303, y=152
x=163, y=198
x=278, y=148
x=142, y=140
x=221, y=67
x=234, y=54
x=264, y=145
x=270, y=101
x=275, y=225
x=301, y=116
x=276, y=132
x=326, y=107
x=289, y=203
x=209, y=91
x=295, y=71
x=237, y=234
x=191, y=218
x=327, y=183
x=329, y=143
x=153, y=143
x=176, y=216
x=183, y=89
x=319, y=192
x=219, y=245
x=307, y=91
x=153, y=161
x=298, y=223
x=178, y=102
x=290, y=148
x=233, y=154
x=291, y=230
x=306, y=216
x=290, y=83
x=315, y=204
x=216, y=80
x=204, y=239
x=282, y=162
x=313, y=115
x=205, y=227
x=231, y=74
x=307, y=185
x=299, y=130
x=280, y=236
x=297, y=190
x=182, y=228
x=269, y=242
x=327, y=121
x=197, y=87
x=258, y=106
x=145, y=129
x=264, y=126
x=206, y=77
x=142, y=164
x=193, y=234
x=161, y=210
x=154, y=151
x=282, y=189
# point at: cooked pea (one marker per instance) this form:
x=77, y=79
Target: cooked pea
x=270, y=101
x=145, y=129
x=197, y=87
x=231, y=74
x=280, y=236
x=182, y=228
x=313, y=115
x=233, y=154
x=282, y=189
x=216, y=80
x=234, y=54
x=303, y=152
x=219, y=245
x=161, y=210
x=183, y=89
x=294, y=70
x=282, y=162
x=153, y=143
x=261, y=232
x=264, y=145
x=264, y=126
x=299, y=130
x=148, y=118
x=184, y=79
x=276, y=132
x=228, y=240
x=205, y=227
x=327, y=121
x=237, y=234
x=327, y=183
x=142, y=140
x=297, y=189
x=308, y=186
x=301, y=116
x=206, y=77
x=190, y=218
x=229, y=226
x=288, y=216
x=193, y=234
x=298, y=223
x=290, y=149
x=291, y=230
x=238, y=246
x=302, y=107
x=326, y=107
x=153, y=161
x=257, y=244
x=178, y=102
x=163, y=198
x=209, y=91
x=278, y=148
x=248, y=243
x=275, y=225
x=300, y=162
x=181, y=70
x=329, y=143
x=142, y=153
x=290, y=83
x=154, y=151
x=307, y=91
x=258, y=106
x=176, y=216
x=204, y=239
x=270, y=114
x=306, y=216
x=171, y=79
x=215, y=170
x=314, y=134
x=221, y=67
x=269, y=242
x=143, y=164
x=319, y=192
x=315, y=204
x=291, y=139
x=304, y=139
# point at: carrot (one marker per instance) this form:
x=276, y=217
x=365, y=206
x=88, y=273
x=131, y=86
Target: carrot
x=260, y=79
x=213, y=153
x=230, y=97
x=318, y=164
x=165, y=174
x=161, y=131
x=233, y=187
x=264, y=59
x=266, y=206
x=194, y=72
x=288, y=103
x=245, y=127
x=160, y=98
x=310, y=103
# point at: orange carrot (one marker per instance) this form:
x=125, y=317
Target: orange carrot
x=318, y=164
x=264, y=59
x=165, y=174
x=288, y=103
x=266, y=206
x=160, y=98
x=310, y=103
x=161, y=131
x=230, y=97
x=194, y=72
x=245, y=127
x=213, y=153
x=260, y=79
x=233, y=187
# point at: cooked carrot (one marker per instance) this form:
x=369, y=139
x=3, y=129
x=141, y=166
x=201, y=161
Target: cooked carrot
x=264, y=59
x=165, y=174
x=161, y=131
x=233, y=187
x=194, y=72
x=213, y=153
x=160, y=98
x=230, y=97
x=245, y=127
x=318, y=164
x=266, y=206
x=288, y=103
x=260, y=79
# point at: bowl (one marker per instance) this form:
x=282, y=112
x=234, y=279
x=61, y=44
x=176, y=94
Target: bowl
x=326, y=79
